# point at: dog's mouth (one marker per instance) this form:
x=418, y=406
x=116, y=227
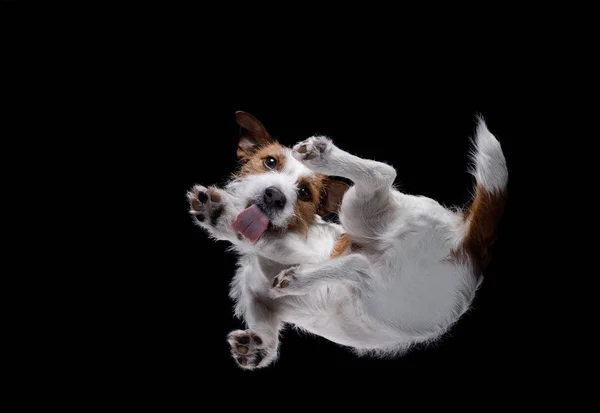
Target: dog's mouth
x=252, y=223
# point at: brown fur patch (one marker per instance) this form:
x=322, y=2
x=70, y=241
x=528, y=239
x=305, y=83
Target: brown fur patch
x=483, y=215
x=326, y=196
x=255, y=164
x=305, y=210
x=341, y=246
x=253, y=135
x=333, y=195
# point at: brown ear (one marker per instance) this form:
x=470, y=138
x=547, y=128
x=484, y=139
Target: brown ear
x=331, y=199
x=253, y=134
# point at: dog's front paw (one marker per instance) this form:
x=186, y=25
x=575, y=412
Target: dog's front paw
x=206, y=205
x=285, y=283
x=250, y=350
x=312, y=150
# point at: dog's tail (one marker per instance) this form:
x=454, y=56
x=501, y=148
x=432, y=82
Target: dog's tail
x=487, y=206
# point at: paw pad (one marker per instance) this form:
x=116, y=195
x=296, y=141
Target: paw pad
x=311, y=148
x=205, y=203
x=203, y=197
x=248, y=348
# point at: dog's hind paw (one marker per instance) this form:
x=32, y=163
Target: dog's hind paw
x=250, y=350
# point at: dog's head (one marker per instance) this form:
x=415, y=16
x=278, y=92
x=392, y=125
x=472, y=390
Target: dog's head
x=278, y=192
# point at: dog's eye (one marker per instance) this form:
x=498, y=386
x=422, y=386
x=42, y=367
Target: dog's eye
x=304, y=194
x=270, y=162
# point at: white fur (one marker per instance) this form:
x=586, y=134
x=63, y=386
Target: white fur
x=400, y=290
x=489, y=162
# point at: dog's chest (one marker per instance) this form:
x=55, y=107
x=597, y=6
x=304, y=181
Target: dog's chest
x=269, y=268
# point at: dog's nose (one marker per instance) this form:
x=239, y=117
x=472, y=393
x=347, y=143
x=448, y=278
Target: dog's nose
x=274, y=198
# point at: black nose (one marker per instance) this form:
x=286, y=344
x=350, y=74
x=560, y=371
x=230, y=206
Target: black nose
x=274, y=198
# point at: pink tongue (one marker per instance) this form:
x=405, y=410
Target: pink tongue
x=251, y=223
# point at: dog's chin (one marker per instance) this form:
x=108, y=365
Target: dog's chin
x=275, y=230
x=272, y=230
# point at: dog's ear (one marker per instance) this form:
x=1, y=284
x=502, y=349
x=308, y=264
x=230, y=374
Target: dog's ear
x=331, y=197
x=253, y=134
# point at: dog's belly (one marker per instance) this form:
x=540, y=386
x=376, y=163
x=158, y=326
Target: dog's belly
x=422, y=302
x=403, y=309
x=417, y=289
x=413, y=296
x=338, y=315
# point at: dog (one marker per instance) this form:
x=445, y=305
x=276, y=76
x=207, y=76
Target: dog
x=396, y=271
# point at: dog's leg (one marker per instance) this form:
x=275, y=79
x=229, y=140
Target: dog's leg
x=322, y=156
x=367, y=207
x=212, y=210
x=257, y=346
x=352, y=269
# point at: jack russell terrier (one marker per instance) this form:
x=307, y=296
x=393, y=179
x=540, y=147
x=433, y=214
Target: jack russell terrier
x=399, y=270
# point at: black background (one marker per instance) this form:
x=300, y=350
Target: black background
x=166, y=112
x=141, y=106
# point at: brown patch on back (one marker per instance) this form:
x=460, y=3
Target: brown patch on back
x=483, y=216
x=255, y=164
x=341, y=246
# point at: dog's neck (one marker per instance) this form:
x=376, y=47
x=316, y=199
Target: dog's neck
x=269, y=267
